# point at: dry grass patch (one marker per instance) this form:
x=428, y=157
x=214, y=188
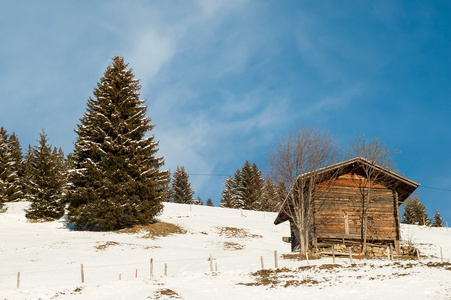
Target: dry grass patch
x=233, y=246
x=103, y=246
x=328, y=267
x=166, y=293
x=444, y=265
x=232, y=232
x=273, y=278
x=106, y=245
x=299, y=256
x=155, y=230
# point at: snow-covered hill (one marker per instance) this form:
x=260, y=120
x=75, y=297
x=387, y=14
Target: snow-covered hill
x=117, y=266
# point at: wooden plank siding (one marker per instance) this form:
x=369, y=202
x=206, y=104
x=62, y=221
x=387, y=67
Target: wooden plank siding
x=337, y=205
x=338, y=209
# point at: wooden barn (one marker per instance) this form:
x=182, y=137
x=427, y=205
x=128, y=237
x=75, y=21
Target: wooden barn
x=349, y=202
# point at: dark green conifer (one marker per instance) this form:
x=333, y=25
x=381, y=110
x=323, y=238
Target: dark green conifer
x=116, y=181
x=270, y=200
x=414, y=212
x=198, y=201
x=438, y=221
x=181, y=191
x=16, y=181
x=245, y=189
x=45, y=181
x=209, y=202
x=231, y=194
x=5, y=171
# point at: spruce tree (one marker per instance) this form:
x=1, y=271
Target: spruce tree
x=16, y=182
x=181, y=191
x=245, y=189
x=198, y=201
x=209, y=202
x=414, y=212
x=237, y=200
x=45, y=181
x=116, y=181
x=270, y=197
x=227, y=192
x=232, y=192
x=5, y=171
x=438, y=222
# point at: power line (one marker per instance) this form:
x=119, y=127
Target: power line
x=434, y=188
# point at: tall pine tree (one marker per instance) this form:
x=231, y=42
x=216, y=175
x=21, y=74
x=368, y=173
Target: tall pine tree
x=5, y=172
x=270, y=197
x=181, y=191
x=245, y=189
x=16, y=182
x=414, y=212
x=438, y=221
x=117, y=181
x=46, y=180
x=251, y=186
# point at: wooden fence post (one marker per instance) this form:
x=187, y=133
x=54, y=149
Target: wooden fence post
x=82, y=274
x=151, y=268
x=18, y=280
x=397, y=247
x=165, y=269
x=391, y=252
x=333, y=255
x=418, y=254
x=276, y=262
x=441, y=254
x=211, y=263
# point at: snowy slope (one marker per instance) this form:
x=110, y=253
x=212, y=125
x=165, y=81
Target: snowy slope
x=49, y=257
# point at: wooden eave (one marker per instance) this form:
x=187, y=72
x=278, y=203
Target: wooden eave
x=403, y=185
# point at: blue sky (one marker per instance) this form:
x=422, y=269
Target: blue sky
x=223, y=80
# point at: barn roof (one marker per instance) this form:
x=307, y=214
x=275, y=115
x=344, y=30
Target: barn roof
x=403, y=185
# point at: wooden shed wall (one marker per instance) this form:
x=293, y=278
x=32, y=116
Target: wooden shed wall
x=338, y=210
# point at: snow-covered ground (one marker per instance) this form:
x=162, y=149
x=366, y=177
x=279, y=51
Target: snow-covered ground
x=117, y=266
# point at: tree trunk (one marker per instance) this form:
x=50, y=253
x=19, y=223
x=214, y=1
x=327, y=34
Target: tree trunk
x=365, y=231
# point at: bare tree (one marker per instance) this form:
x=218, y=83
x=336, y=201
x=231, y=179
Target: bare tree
x=302, y=152
x=376, y=153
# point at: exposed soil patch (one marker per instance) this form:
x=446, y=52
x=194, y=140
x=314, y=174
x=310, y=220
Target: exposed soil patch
x=155, y=230
x=232, y=232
